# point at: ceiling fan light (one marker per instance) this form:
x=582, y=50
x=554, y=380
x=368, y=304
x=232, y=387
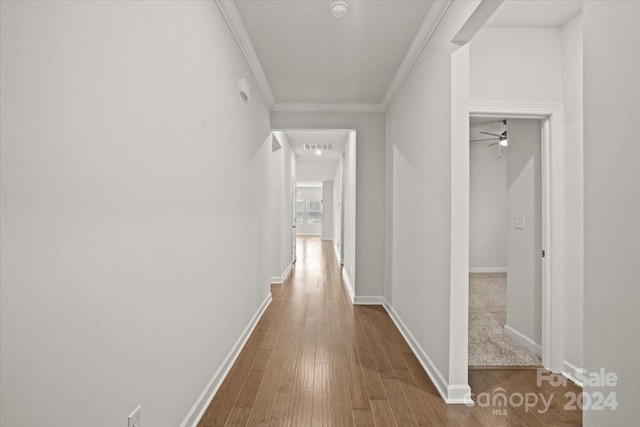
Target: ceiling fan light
x=504, y=143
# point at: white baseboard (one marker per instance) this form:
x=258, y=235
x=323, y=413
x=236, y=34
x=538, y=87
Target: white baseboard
x=524, y=340
x=205, y=398
x=338, y=254
x=307, y=234
x=345, y=278
x=487, y=269
x=459, y=395
x=363, y=300
x=572, y=372
x=451, y=394
x=280, y=280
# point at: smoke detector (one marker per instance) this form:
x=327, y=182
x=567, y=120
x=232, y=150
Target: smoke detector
x=339, y=8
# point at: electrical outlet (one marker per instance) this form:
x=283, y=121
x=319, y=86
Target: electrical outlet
x=135, y=419
x=519, y=222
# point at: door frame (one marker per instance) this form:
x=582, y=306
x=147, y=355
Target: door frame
x=553, y=220
x=553, y=216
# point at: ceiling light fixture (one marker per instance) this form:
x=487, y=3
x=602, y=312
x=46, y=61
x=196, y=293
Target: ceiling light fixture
x=339, y=8
x=318, y=152
x=504, y=142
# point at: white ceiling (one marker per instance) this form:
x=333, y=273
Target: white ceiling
x=534, y=13
x=308, y=56
x=312, y=169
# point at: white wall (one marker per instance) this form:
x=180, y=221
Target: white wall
x=275, y=213
x=370, y=195
x=418, y=139
x=351, y=218
x=316, y=169
x=487, y=208
x=524, y=246
x=572, y=98
x=130, y=266
x=327, y=210
x=516, y=64
x=283, y=175
x=611, y=202
x=306, y=193
x=338, y=210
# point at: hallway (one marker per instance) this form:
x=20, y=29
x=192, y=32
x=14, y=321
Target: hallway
x=315, y=359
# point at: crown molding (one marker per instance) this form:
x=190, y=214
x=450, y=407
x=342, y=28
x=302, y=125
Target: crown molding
x=298, y=107
x=431, y=21
x=427, y=28
x=230, y=13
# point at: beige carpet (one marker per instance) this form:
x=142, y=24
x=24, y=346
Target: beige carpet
x=488, y=344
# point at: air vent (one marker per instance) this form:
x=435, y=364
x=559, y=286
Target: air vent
x=314, y=147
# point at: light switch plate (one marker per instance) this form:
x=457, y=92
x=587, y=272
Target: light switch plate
x=519, y=222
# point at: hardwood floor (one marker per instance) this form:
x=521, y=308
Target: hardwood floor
x=315, y=359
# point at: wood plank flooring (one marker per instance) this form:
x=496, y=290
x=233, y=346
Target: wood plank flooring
x=314, y=359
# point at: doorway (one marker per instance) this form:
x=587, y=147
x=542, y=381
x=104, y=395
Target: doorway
x=505, y=242
x=324, y=191
x=309, y=208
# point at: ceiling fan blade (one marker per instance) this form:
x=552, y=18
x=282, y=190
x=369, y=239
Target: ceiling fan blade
x=492, y=144
x=481, y=140
x=492, y=134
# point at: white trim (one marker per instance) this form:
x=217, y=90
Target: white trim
x=205, y=398
x=487, y=269
x=521, y=338
x=520, y=110
x=553, y=233
x=553, y=220
x=368, y=300
x=335, y=248
x=230, y=13
x=345, y=279
x=298, y=233
x=458, y=377
x=426, y=30
x=459, y=395
x=280, y=280
x=456, y=394
x=430, y=368
x=363, y=107
x=572, y=372
x=476, y=21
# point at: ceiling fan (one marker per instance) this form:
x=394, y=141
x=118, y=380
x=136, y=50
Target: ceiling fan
x=502, y=139
x=498, y=139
